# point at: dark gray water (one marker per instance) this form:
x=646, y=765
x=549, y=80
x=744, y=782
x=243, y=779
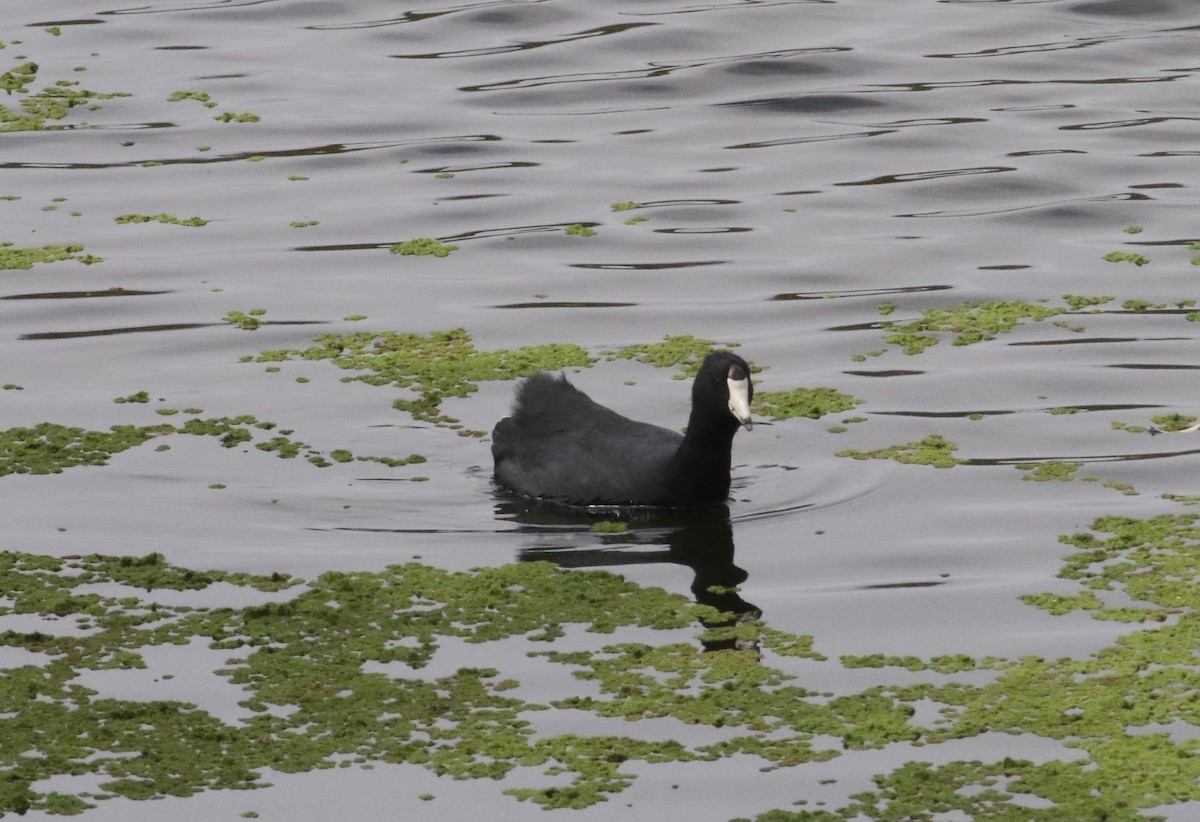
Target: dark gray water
x=798, y=163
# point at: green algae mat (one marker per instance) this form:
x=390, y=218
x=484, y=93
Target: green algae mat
x=329, y=671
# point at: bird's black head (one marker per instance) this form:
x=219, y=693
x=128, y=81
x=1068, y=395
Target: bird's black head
x=724, y=383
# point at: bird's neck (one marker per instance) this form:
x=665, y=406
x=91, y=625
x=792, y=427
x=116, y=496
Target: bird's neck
x=703, y=460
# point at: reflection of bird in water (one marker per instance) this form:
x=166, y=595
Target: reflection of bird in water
x=560, y=445
x=702, y=540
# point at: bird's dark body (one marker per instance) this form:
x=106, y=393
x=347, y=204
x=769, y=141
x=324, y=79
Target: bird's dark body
x=560, y=445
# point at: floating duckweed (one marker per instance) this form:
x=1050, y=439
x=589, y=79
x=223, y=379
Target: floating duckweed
x=627, y=205
x=52, y=103
x=231, y=117
x=813, y=403
x=974, y=322
x=934, y=450
x=422, y=246
x=1049, y=470
x=442, y=365
x=1172, y=422
x=165, y=219
x=198, y=96
x=395, y=462
x=1141, y=305
x=314, y=699
x=683, y=350
x=247, y=321
x=24, y=258
x=48, y=448
x=580, y=230
x=637, y=218
x=1126, y=257
x=304, y=223
x=1124, y=487
x=140, y=396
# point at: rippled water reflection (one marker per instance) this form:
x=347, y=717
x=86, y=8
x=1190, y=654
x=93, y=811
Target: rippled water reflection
x=797, y=163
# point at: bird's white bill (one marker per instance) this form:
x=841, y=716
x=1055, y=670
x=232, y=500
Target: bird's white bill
x=739, y=400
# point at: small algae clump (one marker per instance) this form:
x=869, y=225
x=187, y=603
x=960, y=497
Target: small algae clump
x=813, y=403
x=423, y=246
x=580, y=230
x=18, y=78
x=24, y=258
x=974, y=322
x=1049, y=470
x=198, y=96
x=1126, y=257
x=245, y=320
x=165, y=219
x=232, y=117
x=934, y=450
x=441, y=365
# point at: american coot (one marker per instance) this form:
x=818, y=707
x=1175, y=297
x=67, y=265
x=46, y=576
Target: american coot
x=560, y=445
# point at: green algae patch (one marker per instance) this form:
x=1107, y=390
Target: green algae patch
x=1049, y=470
x=1172, y=422
x=245, y=320
x=198, y=96
x=12, y=258
x=974, y=322
x=423, y=246
x=36, y=110
x=338, y=657
x=1127, y=257
x=329, y=676
x=237, y=117
x=580, y=230
x=813, y=403
x=49, y=448
x=683, y=351
x=933, y=450
x=165, y=219
x=433, y=368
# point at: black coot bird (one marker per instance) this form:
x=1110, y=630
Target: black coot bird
x=560, y=445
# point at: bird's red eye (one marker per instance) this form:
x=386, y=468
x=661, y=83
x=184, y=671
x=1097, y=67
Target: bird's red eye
x=716, y=383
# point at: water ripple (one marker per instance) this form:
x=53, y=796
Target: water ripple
x=417, y=16
x=526, y=45
x=917, y=176
x=979, y=212
x=648, y=71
